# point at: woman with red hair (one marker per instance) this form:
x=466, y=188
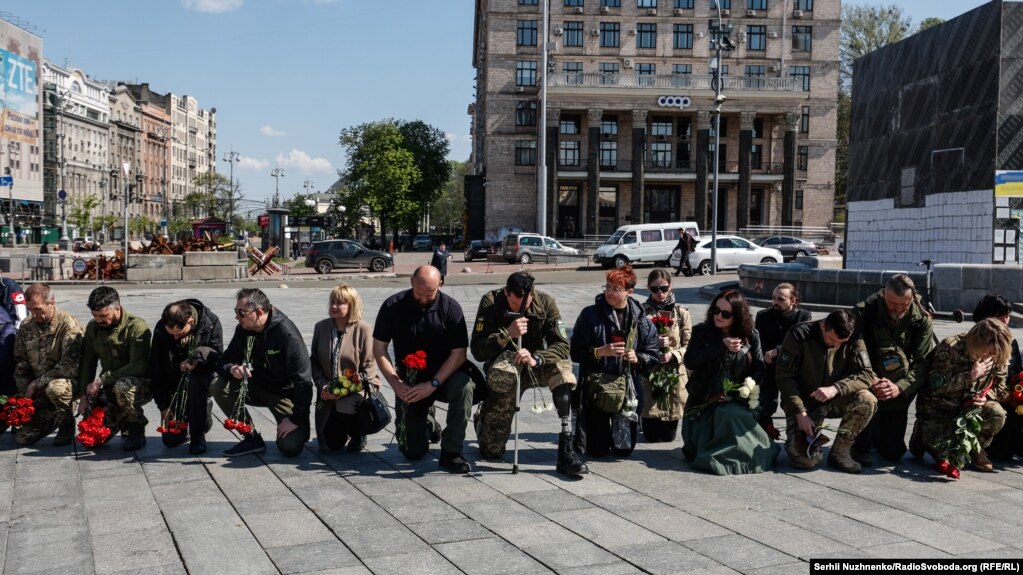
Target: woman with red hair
x=613, y=342
x=723, y=437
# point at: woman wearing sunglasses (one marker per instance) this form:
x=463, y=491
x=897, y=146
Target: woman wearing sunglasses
x=613, y=342
x=662, y=405
x=723, y=437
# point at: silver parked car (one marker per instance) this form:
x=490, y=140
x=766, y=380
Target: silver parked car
x=732, y=251
x=789, y=246
x=526, y=248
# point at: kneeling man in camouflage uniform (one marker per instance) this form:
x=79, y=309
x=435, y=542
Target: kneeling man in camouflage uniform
x=47, y=352
x=504, y=316
x=120, y=343
x=822, y=374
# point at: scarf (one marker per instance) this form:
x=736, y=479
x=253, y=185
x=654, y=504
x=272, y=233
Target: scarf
x=667, y=305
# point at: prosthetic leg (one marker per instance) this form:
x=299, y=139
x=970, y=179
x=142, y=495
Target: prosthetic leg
x=568, y=461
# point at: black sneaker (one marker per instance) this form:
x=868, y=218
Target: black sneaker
x=454, y=462
x=135, y=438
x=198, y=444
x=356, y=444
x=251, y=443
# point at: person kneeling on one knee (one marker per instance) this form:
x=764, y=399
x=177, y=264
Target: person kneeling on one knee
x=820, y=374
x=519, y=335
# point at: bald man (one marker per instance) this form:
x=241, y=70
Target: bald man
x=424, y=319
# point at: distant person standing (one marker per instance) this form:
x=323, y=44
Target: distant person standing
x=440, y=260
x=685, y=245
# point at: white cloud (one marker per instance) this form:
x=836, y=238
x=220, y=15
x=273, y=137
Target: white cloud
x=247, y=163
x=215, y=6
x=269, y=130
x=450, y=137
x=303, y=163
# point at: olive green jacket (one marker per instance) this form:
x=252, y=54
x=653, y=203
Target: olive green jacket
x=121, y=350
x=49, y=351
x=899, y=352
x=806, y=363
x=545, y=335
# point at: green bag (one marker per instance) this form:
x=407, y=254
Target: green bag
x=606, y=391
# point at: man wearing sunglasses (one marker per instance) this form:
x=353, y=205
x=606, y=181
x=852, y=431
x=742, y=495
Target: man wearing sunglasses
x=506, y=317
x=821, y=374
x=269, y=350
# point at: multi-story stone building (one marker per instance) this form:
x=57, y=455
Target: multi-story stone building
x=629, y=134
x=21, y=157
x=126, y=189
x=193, y=147
x=76, y=128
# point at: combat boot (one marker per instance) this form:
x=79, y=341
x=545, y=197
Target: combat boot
x=135, y=438
x=568, y=461
x=65, y=430
x=981, y=462
x=841, y=458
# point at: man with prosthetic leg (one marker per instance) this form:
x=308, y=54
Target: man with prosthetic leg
x=519, y=334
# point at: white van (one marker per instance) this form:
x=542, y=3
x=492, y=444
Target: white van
x=646, y=243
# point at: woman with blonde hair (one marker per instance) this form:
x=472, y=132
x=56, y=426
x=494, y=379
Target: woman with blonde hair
x=967, y=370
x=342, y=350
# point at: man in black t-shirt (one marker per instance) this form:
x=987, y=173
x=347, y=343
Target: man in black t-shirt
x=424, y=319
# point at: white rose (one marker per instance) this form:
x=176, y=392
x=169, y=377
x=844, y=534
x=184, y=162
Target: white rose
x=753, y=403
x=754, y=393
x=744, y=392
x=749, y=383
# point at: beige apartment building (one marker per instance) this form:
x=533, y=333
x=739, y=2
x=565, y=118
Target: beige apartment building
x=630, y=123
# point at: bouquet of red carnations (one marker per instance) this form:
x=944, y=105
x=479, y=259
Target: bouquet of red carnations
x=413, y=364
x=92, y=431
x=16, y=411
x=239, y=420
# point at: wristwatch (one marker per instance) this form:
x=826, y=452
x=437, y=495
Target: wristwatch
x=435, y=382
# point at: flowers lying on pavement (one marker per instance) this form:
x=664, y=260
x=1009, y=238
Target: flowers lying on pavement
x=16, y=411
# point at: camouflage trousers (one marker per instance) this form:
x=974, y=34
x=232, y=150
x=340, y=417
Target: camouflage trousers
x=124, y=400
x=855, y=411
x=498, y=410
x=934, y=425
x=53, y=405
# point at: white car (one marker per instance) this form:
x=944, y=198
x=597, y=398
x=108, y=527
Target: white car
x=732, y=251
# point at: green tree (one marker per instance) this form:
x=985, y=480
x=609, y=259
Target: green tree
x=380, y=172
x=80, y=213
x=448, y=211
x=106, y=223
x=864, y=29
x=928, y=22
x=194, y=204
x=215, y=192
x=430, y=149
x=297, y=206
x=139, y=225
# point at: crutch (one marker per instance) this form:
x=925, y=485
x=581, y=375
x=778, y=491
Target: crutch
x=518, y=385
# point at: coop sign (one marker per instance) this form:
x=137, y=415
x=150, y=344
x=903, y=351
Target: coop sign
x=681, y=102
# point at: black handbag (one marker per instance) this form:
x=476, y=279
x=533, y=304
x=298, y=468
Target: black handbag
x=372, y=412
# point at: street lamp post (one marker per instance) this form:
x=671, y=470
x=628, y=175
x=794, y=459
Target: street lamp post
x=277, y=174
x=231, y=157
x=721, y=42
x=64, y=243
x=11, y=147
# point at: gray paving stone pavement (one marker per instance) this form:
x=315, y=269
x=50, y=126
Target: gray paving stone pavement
x=160, y=510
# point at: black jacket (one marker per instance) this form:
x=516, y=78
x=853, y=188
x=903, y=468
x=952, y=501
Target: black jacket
x=280, y=362
x=711, y=363
x=593, y=329
x=166, y=354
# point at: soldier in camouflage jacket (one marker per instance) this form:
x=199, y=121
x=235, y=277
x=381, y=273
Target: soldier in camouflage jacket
x=47, y=352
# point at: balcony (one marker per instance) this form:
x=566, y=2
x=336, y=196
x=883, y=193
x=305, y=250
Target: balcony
x=737, y=86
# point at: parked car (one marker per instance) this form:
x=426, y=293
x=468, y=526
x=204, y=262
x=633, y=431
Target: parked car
x=524, y=248
x=634, y=243
x=479, y=250
x=732, y=251
x=329, y=255
x=789, y=246
x=84, y=244
x=422, y=243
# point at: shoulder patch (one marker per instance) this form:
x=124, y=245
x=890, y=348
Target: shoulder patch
x=561, y=329
x=479, y=324
x=937, y=380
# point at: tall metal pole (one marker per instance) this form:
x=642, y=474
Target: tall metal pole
x=231, y=157
x=718, y=100
x=10, y=194
x=277, y=174
x=64, y=243
x=541, y=161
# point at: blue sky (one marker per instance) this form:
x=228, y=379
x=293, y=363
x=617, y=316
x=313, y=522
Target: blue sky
x=287, y=75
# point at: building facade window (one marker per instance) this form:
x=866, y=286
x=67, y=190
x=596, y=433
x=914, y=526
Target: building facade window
x=568, y=153
x=804, y=5
x=573, y=34
x=610, y=34
x=725, y=4
x=802, y=157
x=646, y=3
x=609, y=73
x=609, y=154
x=525, y=33
x=525, y=113
x=573, y=2
x=682, y=69
x=646, y=35
x=804, y=120
x=660, y=126
x=646, y=73
x=684, y=4
x=756, y=4
x=756, y=70
x=682, y=37
x=611, y=3
x=799, y=200
x=609, y=126
x=802, y=73
x=756, y=38
x=525, y=152
x=525, y=73
x=724, y=128
x=573, y=72
x=802, y=38
x=758, y=128
x=569, y=124
x=756, y=157
x=527, y=2
x=660, y=154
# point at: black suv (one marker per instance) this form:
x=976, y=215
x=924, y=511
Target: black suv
x=327, y=255
x=479, y=250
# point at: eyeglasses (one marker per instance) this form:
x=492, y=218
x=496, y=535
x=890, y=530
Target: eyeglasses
x=659, y=289
x=614, y=289
x=723, y=313
x=242, y=312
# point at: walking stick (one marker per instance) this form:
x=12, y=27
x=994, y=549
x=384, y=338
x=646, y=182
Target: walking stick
x=518, y=390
